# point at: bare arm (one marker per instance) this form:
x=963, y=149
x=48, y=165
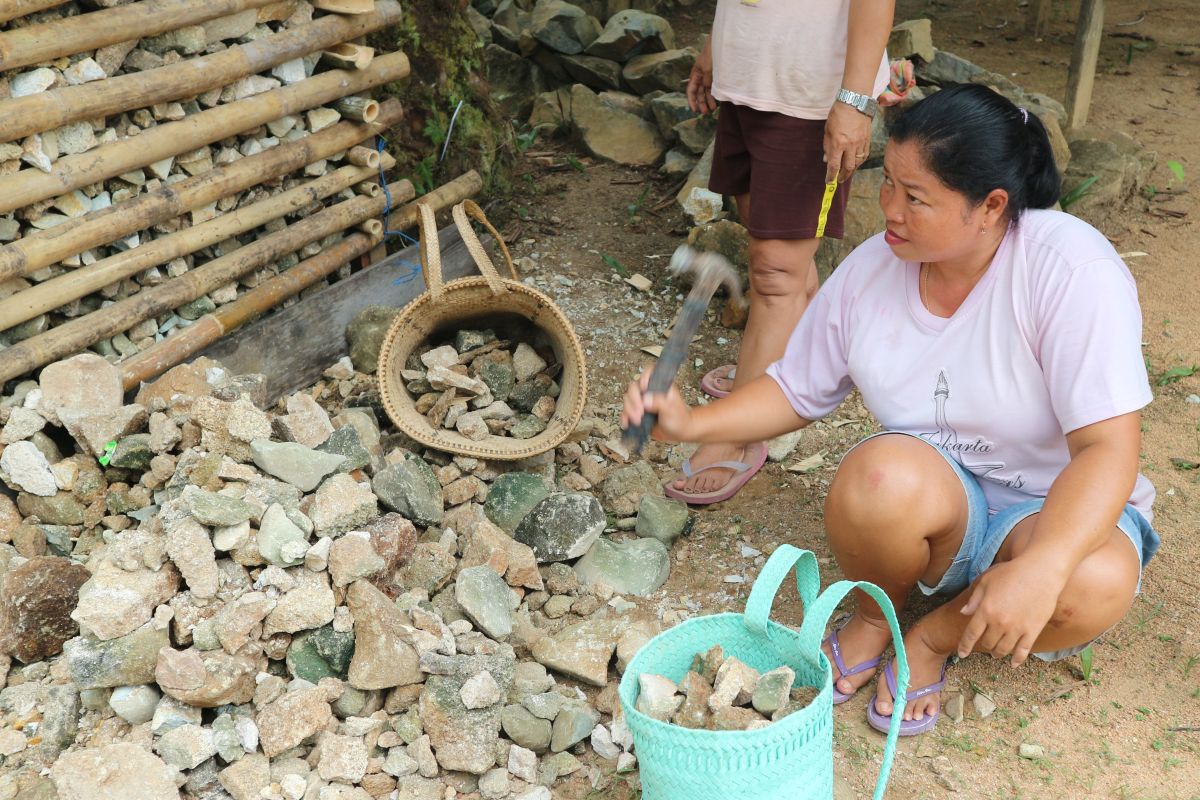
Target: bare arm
x=754, y=413
x=848, y=132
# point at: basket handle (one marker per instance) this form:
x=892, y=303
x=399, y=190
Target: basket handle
x=431, y=252
x=766, y=586
x=471, y=209
x=812, y=631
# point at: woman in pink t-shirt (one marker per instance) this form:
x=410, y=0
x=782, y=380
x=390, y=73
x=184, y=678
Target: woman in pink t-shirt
x=999, y=346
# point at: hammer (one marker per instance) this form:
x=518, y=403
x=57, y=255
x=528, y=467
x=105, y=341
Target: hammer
x=709, y=271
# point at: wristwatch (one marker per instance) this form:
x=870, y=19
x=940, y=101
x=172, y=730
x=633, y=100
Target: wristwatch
x=860, y=102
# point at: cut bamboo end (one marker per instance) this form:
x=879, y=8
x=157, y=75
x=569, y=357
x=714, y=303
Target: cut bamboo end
x=363, y=157
x=362, y=109
x=346, y=6
x=349, y=56
x=372, y=227
x=370, y=189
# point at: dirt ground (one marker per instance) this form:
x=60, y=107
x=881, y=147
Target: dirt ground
x=1133, y=729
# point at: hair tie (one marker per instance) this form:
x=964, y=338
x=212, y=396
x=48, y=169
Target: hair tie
x=1024, y=115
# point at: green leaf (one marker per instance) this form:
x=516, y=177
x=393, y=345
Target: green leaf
x=1176, y=170
x=1073, y=196
x=575, y=163
x=1185, y=464
x=617, y=266
x=1175, y=373
x=1085, y=661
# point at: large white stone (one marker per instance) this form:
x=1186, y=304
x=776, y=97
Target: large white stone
x=26, y=468
x=27, y=83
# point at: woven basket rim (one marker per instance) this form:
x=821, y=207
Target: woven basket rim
x=775, y=730
x=501, y=448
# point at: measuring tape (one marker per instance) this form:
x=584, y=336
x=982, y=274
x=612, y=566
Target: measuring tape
x=826, y=204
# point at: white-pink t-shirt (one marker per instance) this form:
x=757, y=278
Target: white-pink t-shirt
x=1047, y=342
x=786, y=56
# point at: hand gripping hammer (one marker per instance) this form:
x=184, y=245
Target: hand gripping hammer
x=709, y=272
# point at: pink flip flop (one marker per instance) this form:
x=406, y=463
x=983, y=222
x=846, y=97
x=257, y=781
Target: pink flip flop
x=835, y=647
x=755, y=455
x=910, y=727
x=708, y=384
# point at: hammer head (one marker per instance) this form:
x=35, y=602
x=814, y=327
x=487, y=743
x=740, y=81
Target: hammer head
x=709, y=272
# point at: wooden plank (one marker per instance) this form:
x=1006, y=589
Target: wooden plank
x=1089, y=30
x=294, y=346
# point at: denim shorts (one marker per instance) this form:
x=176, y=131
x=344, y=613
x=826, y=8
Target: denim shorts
x=986, y=533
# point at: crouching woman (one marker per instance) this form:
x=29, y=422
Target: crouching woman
x=998, y=344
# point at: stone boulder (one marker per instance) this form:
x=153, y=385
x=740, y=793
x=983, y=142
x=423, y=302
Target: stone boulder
x=636, y=566
x=36, y=601
x=113, y=772
x=595, y=73
x=383, y=657
x=667, y=71
x=563, y=27
x=1119, y=164
x=612, y=134
x=632, y=33
x=562, y=527
x=913, y=37
x=366, y=331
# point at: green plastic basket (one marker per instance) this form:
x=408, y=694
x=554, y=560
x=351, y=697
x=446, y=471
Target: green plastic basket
x=792, y=758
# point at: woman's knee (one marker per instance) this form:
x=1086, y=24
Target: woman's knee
x=782, y=269
x=1100, y=591
x=882, y=477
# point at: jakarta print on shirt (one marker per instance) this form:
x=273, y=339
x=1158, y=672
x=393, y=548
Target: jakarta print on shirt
x=1047, y=342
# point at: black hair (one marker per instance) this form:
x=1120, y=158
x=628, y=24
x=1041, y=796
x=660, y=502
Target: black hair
x=975, y=140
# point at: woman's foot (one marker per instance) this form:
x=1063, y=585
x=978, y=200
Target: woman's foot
x=860, y=641
x=710, y=480
x=718, y=382
x=926, y=667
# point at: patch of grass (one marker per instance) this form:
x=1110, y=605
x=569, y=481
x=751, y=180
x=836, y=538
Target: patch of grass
x=576, y=164
x=1085, y=662
x=1177, y=171
x=1146, y=613
x=1174, y=374
x=616, y=266
x=1190, y=665
x=1076, y=194
x=634, y=208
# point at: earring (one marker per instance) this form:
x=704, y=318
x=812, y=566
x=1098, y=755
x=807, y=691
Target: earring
x=983, y=229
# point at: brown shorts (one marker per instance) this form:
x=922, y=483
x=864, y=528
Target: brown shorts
x=779, y=160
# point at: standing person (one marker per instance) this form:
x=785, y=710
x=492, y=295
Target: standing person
x=795, y=82
x=998, y=344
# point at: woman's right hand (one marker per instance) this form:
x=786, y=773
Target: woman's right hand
x=674, y=420
x=699, y=87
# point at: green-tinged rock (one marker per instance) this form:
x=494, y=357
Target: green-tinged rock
x=638, y=567
x=526, y=730
x=573, y=724
x=60, y=509
x=294, y=463
x=133, y=452
x=466, y=341
x=513, y=82
x=124, y=661
x=210, y=508
x=525, y=395
x=320, y=653
x=486, y=600
x=281, y=541
x=365, y=335
x=511, y=497
x=345, y=442
x=500, y=378
x=623, y=489
x=464, y=739
x=411, y=489
x=526, y=427
x=562, y=526
x=661, y=518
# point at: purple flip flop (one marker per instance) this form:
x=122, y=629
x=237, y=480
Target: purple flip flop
x=835, y=648
x=708, y=384
x=909, y=727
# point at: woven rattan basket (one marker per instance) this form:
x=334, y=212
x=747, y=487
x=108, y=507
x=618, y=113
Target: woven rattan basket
x=446, y=305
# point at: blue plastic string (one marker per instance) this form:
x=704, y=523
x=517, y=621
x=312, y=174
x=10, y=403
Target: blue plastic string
x=413, y=269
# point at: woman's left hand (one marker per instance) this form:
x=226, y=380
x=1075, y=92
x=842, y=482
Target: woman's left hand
x=847, y=140
x=1009, y=607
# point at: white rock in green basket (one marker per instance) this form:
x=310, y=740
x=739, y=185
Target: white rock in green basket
x=658, y=697
x=734, y=685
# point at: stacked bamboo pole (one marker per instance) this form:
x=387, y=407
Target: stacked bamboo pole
x=107, y=161
x=51, y=294
x=77, y=334
x=12, y=9
x=63, y=37
x=44, y=248
x=175, y=349
x=21, y=116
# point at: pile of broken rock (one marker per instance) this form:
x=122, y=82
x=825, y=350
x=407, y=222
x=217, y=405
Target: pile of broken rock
x=200, y=596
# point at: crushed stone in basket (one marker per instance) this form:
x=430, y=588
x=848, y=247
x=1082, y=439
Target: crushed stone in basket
x=482, y=385
x=723, y=694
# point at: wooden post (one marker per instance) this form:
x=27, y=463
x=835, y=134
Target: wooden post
x=30, y=186
x=21, y=116
x=51, y=294
x=34, y=44
x=71, y=337
x=42, y=248
x=12, y=9
x=1040, y=17
x=1081, y=77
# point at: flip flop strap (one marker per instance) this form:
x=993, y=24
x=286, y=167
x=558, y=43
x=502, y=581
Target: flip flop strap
x=890, y=676
x=736, y=466
x=835, y=647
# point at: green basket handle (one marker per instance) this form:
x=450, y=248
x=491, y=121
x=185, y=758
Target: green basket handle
x=766, y=586
x=812, y=631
